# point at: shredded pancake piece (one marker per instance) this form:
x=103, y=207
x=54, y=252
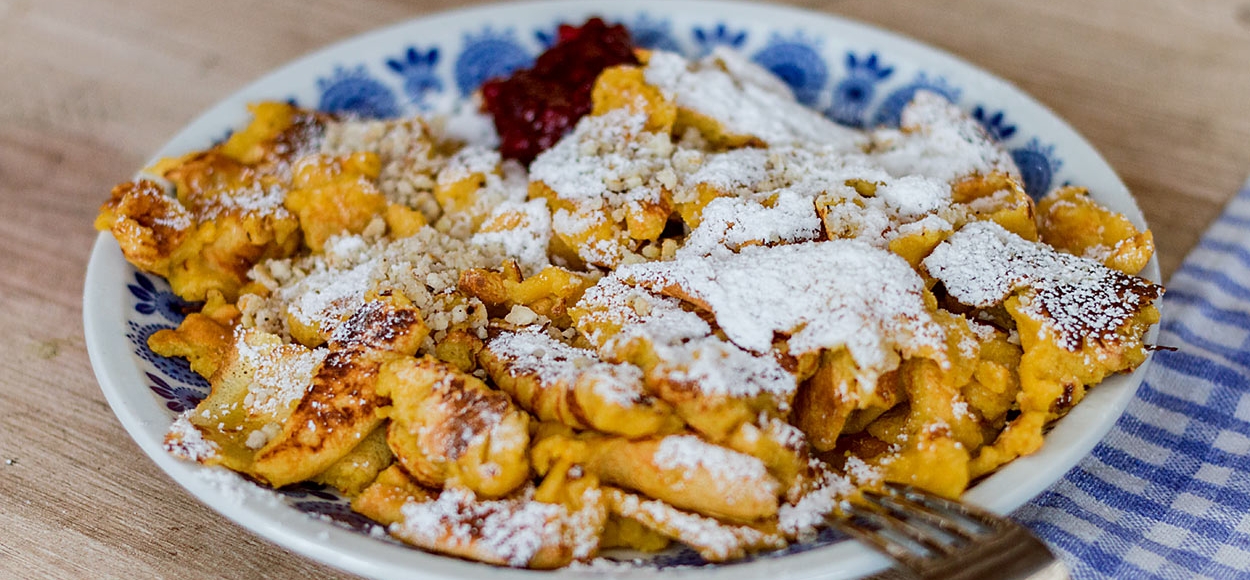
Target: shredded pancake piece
x=982, y=264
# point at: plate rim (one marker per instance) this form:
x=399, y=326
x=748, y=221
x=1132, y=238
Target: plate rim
x=354, y=552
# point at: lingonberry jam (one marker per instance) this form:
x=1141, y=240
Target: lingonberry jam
x=535, y=107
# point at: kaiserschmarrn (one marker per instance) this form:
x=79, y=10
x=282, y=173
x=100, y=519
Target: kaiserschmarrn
x=699, y=313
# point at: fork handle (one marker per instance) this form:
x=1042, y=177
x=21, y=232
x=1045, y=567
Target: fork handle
x=1055, y=571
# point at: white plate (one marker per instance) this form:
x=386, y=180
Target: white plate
x=858, y=74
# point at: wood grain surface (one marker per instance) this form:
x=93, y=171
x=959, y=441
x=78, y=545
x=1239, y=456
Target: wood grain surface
x=89, y=89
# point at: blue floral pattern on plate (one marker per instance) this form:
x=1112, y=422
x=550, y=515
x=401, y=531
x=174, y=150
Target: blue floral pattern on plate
x=488, y=54
x=796, y=60
x=853, y=94
x=159, y=301
x=417, y=67
x=547, y=37
x=353, y=91
x=339, y=512
x=176, y=369
x=1038, y=166
x=890, y=111
x=309, y=490
x=179, y=397
x=720, y=35
x=995, y=123
x=853, y=99
x=1037, y=162
x=652, y=33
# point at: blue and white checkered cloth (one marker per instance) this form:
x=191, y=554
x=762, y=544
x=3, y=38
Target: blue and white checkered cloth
x=1167, y=493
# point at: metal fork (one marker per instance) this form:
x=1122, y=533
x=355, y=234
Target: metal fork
x=936, y=538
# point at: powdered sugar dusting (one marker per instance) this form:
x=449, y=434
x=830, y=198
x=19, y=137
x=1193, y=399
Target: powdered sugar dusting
x=899, y=207
x=323, y=290
x=729, y=252
x=256, y=200
x=462, y=418
x=608, y=567
x=476, y=183
x=690, y=453
x=737, y=172
x=722, y=369
x=506, y=531
x=805, y=517
x=281, y=373
x=807, y=169
x=982, y=264
x=731, y=93
x=729, y=223
x=555, y=363
x=638, y=313
x=332, y=296
x=915, y=196
x=522, y=229
x=583, y=526
x=938, y=140
x=469, y=161
x=741, y=68
x=984, y=332
x=605, y=170
x=822, y=294
x=862, y=473
x=607, y=158
x=235, y=489
x=714, y=540
x=185, y=440
x=468, y=124
x=682, y=340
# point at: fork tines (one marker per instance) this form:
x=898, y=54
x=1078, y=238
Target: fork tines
x=935, y=537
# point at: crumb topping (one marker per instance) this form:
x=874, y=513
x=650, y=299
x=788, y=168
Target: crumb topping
x=323, y=290
x=607, y=161
x=407, y=151
x=469, y=161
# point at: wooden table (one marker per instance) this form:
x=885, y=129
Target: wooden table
x=89, y=89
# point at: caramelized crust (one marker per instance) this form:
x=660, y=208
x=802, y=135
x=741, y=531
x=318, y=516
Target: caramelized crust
x=1071, y=221
x=342, y=404
x=147, y=224
x=450, y=429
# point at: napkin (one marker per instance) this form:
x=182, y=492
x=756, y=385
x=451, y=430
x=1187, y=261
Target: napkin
x=1167, y=493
